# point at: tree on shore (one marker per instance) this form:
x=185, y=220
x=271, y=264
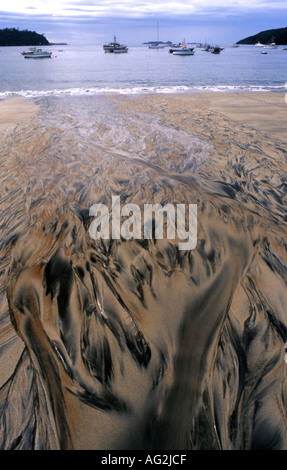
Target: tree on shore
x=15, y=37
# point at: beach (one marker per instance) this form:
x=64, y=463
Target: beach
x=134, y=343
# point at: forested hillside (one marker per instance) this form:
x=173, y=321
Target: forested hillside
x=15, y=37
x=279, y=36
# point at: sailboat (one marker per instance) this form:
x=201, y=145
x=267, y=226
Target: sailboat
x=156, y=44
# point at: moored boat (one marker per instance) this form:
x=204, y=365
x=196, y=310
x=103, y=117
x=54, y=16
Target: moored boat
x=156, y=45
x=215, y=50
x=115, y=46
x=179, y=48
x=35, y=53
x=184, y=51
x=273, y=45
x=175, y=47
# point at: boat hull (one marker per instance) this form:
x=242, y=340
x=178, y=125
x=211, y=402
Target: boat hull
x=183, y=53
x=116, y=50
x=180, y=50
x=37, y=56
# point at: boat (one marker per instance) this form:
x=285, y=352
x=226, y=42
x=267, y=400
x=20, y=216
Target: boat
x=115, y=46
x=156, y=45
x=273, y=45
x=216, y=50
x=259, y=44
x=263, y=52
x=184, y=51
x=120, y=50
x=180, y=47
x=175, y=48
x=206, y=48
x=35, y=53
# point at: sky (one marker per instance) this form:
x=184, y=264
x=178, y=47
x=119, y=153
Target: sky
x=137, y=21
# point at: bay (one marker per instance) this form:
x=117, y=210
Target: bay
x=88, y=70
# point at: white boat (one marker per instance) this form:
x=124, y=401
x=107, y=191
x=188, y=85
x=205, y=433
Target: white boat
x=179, y=47
x=35, y=53
x=184, y=51
x=259, y=44
x=273, y=45
x=156, y=45
x=115, y=47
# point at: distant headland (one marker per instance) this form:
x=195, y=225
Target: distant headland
x=15, y=37
x=279, y=36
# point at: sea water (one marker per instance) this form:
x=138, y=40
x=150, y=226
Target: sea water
x=88, y=70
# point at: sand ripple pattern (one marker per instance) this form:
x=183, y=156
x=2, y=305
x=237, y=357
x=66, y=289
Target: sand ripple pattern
x=135, y=344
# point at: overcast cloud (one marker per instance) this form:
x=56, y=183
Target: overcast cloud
x=134, y=22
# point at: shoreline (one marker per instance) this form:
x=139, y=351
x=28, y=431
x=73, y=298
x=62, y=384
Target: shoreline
x=263, y=111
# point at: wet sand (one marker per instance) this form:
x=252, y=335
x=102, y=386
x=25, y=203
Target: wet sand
x=264, y=112
x=135, y=344
x=13, y=111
